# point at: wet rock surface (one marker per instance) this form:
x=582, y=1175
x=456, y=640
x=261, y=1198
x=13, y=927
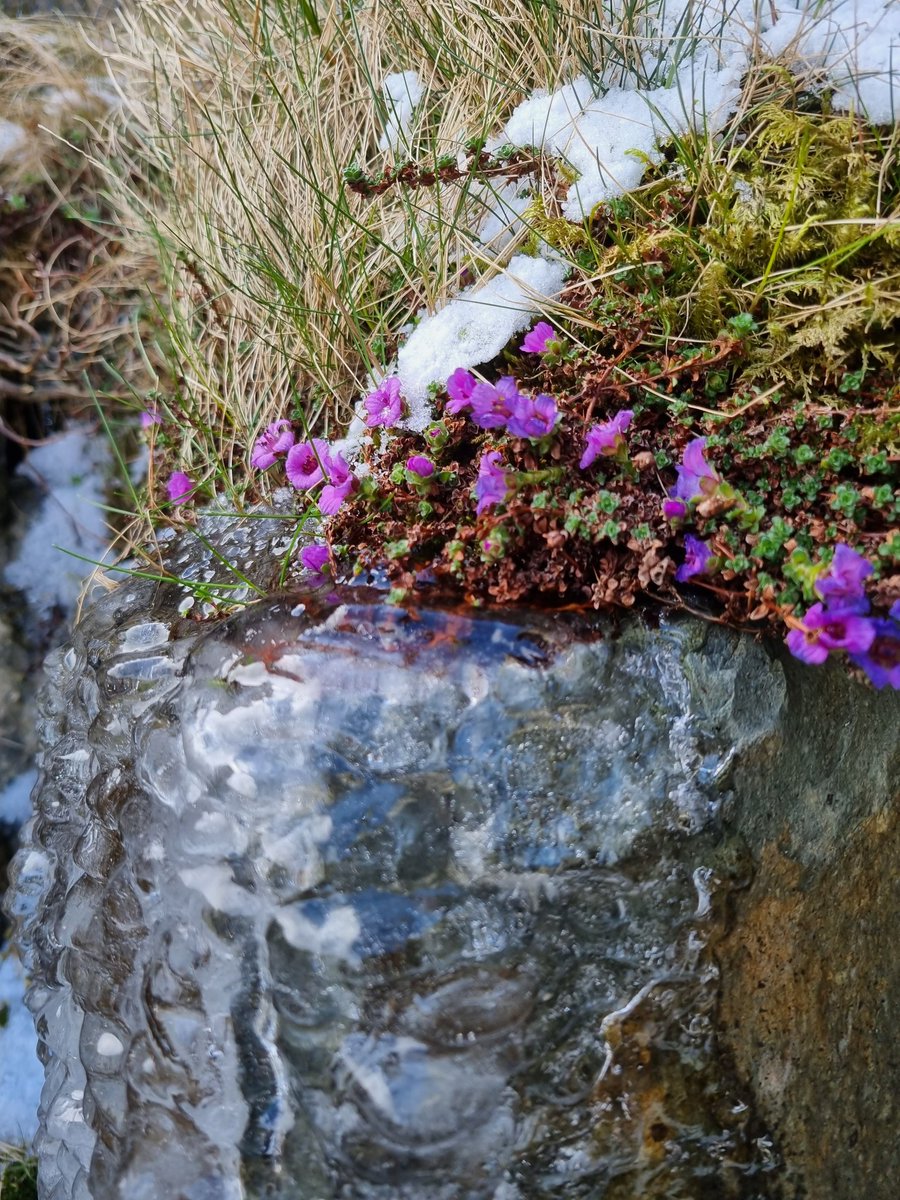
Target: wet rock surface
x=810, y=972
x=329, y=899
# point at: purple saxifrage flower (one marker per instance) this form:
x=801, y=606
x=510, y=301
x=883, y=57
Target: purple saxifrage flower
x=460, y=386
x=674, y=510
x=150, y=416
x=881, y=662
x=493, y=404
x=824, y=631
x=806, y=647
x=341, y=482
x=696, y=477
x=384, y=405
x=536, y=339
x=418, y=464
x=305, y=462
x=607, y=439
x=491, y=486
x=315, y=558
x=697, y=558
x=180, y=487
x=841, y=587
x=277, y=439
x=533, y=418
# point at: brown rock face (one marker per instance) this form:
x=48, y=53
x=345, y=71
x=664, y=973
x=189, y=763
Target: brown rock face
x=811, y=1009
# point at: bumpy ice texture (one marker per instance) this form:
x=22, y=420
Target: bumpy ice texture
x=329, y=899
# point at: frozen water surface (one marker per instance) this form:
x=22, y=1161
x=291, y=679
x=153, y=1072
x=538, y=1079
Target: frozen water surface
x=331, y=899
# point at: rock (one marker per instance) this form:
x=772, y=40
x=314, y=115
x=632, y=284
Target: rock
x=331, y=899
x=810, y=974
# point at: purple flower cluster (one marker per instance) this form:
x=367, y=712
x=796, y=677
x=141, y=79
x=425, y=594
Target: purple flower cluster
x=841, y=622
x=311, y=463
x=501, y=405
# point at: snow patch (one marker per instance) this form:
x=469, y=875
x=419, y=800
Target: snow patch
x=610, y=134
x=503, y=212
x=403, y=93
x=71, y=469
x=13, y=140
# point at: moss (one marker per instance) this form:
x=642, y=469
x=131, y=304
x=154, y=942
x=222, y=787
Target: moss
x=554, y=230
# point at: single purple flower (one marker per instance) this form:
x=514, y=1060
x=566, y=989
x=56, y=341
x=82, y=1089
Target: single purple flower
x=894, y=611
x=533, y=418
x=806, y=647
x=491, y=487
x=419, y=465
x=385, y=404
x=881, y=662
x=180, y=487
x=697, y=558
x=841, y=587
x=333, y=496
x=315, y=558
x=841, y=630
x=536, y=339
x=674, y=510
x=825, y=630
x=277, y=439
x=460, y=387
x=696, y=477
x=150, y=416
x=608, y=438
x=341, y=482
x=493, y=404
x=305, y=462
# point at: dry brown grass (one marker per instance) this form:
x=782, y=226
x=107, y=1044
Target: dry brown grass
x=73, y=284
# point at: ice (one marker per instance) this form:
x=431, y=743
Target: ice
x=332, y=909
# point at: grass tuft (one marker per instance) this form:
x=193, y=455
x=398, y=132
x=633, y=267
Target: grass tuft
x=18, y=1173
